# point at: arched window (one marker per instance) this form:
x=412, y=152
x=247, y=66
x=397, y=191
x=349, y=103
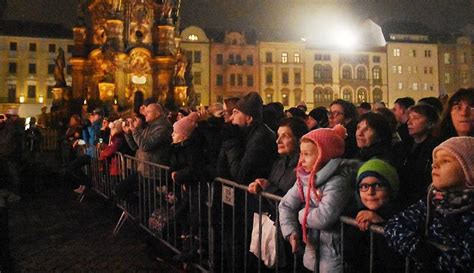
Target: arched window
x=285, y=97
x=268, y=95
x=377, y=95
x=297, y=93
x=346, y=73
x=347, y=95
x=318, y=95
x=317, y=73
x=327, y=95
x=361, y=74
x=376, y=73
x=327, y=72
x=361, y=95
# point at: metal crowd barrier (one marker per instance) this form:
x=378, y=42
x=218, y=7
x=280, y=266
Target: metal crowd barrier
x=50, y=139
x=187, y=225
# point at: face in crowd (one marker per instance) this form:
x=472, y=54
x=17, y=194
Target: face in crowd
x=373, y=193
x=286, y=141
x=418, y=124
x=336, y=115
x=365, y=135
x=308, y=154
x=152, y=112
x=462, y=115
x=399, y=112
x=240, y=119
x=446, y=171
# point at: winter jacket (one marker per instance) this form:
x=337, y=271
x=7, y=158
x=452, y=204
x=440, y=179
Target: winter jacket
x=414, y=170
x=186, y=161
x=153, y=143
x=282, y=176
x=210, y=130
x=90, y=134
x=324, y=236
x=405, y=233
x=248, y=157
x=116, y=144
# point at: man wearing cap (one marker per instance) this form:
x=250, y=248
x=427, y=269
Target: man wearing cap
x=251, y=156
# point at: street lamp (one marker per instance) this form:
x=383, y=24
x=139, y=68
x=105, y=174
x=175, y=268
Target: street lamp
x=41, y=99
x=22, y=98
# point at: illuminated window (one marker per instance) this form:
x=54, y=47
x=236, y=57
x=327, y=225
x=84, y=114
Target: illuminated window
x=297, y=58
x=347, y=95
x=447, y=58
x=193, y=37
x=284, y=57
x=396, y=52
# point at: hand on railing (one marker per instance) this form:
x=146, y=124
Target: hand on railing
x=366, y=217
x=258, y=185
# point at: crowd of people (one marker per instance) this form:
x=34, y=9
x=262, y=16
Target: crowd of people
x=409, y=169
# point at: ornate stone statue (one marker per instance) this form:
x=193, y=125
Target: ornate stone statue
x=60, y=63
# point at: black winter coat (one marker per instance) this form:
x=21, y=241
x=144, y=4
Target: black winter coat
x=186, y=161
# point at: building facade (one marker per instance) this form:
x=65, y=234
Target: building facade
x=455, y=60
x=234, y=64
x=412, y=63
x=28, y=62
x=196, y=45
x=282, y=72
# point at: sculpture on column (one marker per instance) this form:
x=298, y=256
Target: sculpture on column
x=60, y=63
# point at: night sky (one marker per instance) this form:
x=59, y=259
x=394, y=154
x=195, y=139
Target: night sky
x=292, y=15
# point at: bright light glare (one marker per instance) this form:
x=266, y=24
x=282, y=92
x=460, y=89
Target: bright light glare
x=344, y=38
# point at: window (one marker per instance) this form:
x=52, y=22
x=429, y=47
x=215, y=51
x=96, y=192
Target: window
x=447, y=78
x=317, y=72
x=396, y=52
x=428, y=53
x=400, y=86
x=13, y=46
x=249, y=80
x=285, y=77
x=412, y=53
x=431, y=70
x=268, y=57
x=326, y=57
x=32, y=47
x=361, y=95
x=12, y=68
x=238, y=59
x=297, y=94
x=269, y=97
x=409, y=69
x=285, y=99
x=250, y=60
x=377, y=95
x=49, y=92
x=346, y=73
x=232, y=79
x=318, y=95
x=231, y=58
x=361, y=75
x=11, y=93
x=318, y=57
x=297, y=58
x=69, y=69
x=197, y=57
x=269, y=76
x=284, y=57
x=297, y=77
x=70, y=49
x=464, y=77
x=327, y=72
x=415, y=69
x=197, y=78
x=219, y=80
x=240, y=80
x=189, y=56
x=376, y=59
x=415, y=86
x=376, y=73
x=425, y=86
x=51, y=69
x=347, y=95
x=394, y=69
x=463, y=58
x=193, y=37
x=31, y=91
x=447, y=58
x=219, y=59
x=32, y=68
x=52, y=48
x=399, y=69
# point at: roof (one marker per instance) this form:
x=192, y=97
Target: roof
x=34, y=29
x=407, y=28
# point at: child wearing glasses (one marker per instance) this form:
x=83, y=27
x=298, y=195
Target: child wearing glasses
x=439, y=233
x=377, y=189
x=317, y=199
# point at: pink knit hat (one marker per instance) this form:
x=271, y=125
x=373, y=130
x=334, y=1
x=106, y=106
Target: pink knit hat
x=186, y=125
x=463, y=149
x=330, y=144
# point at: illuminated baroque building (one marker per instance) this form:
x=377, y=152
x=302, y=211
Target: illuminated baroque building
x=126, y=47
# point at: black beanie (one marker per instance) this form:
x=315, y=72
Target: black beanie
x=251, y=105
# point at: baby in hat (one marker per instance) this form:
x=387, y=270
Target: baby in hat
x=439, y=232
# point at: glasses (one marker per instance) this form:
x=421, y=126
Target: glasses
x=375, y=186
x=334, y=114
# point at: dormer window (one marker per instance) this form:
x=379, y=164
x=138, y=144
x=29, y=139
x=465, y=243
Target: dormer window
x=193, y=37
